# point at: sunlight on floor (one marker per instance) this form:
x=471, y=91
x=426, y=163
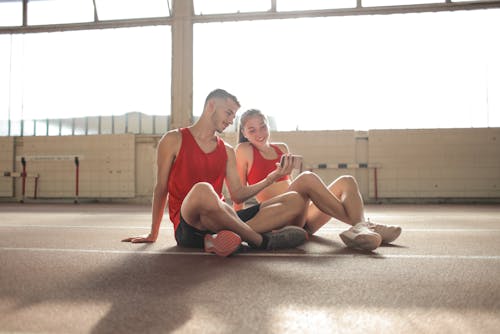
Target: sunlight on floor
x=43, y=316
x=295, y=319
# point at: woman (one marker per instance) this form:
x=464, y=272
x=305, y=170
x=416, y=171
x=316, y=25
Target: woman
x=256, y=156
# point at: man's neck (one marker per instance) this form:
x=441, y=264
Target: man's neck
x=202, y=132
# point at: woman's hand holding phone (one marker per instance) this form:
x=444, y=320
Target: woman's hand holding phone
x=287, y=164
x=294, y=160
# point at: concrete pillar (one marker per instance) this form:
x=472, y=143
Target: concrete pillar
x=182, y=64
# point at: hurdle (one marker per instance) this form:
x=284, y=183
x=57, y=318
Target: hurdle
x=23, y=175
x=77, y=178
x=24, y=159
x=344, y=165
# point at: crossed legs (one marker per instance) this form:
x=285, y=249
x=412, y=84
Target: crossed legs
x=204, y=210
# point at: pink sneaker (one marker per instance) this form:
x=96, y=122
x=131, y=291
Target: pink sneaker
x=224, y=243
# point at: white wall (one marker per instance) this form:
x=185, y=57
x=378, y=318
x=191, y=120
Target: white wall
x=446, y=163
x=6, y=165
x=455, y=164
x=106, y=166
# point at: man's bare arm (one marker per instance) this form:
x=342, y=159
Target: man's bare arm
x=165, y=155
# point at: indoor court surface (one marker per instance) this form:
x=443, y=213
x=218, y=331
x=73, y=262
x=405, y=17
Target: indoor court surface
x=63, y=269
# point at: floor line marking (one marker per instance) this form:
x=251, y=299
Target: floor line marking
x=81, y=226
x=171, y=228
x=258, y=254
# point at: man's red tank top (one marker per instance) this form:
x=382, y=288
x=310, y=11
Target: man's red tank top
x=262, y=167
x=191, y=166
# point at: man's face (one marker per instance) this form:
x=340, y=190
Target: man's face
x=225, y=111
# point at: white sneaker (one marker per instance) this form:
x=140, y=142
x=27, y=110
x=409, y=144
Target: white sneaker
x=389, y=233
x=361, y=236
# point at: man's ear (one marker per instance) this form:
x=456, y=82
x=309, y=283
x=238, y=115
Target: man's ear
x=211, y=105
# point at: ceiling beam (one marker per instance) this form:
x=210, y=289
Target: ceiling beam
x=273, y=14
x=382, y=10
x=111, y=24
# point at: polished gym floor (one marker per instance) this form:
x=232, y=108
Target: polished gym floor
x=63, y=269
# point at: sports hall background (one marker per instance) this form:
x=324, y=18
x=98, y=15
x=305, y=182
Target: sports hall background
x=64, y=270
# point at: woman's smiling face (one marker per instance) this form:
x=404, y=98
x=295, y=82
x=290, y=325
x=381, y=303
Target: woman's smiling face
x=256, y=130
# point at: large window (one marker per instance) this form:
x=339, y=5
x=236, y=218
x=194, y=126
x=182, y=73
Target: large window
x=428, y=70
x=420, y=70
x=11, y=13
x=83, y=73
x=125, y=9
x=41, y=12
x=60, y=11
x=203, y=7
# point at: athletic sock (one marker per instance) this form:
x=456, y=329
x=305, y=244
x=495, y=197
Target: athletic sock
x=264, y=243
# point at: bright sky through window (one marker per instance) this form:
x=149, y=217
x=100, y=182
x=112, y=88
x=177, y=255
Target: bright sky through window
x=427, y=70
x=204, y=7
x=361, y=72
x=11, y=13
x=85, y=73
x=60, y=11
x=124, y=9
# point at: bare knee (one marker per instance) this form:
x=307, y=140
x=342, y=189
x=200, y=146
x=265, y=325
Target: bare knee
x=199, y=202
x=202, y=188
x=304, y=181
x=296, y=205
x=201, y=194
x=306, y=176
x=344, y=186
x=348, y=181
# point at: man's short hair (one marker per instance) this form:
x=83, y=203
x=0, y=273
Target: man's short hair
x=222, y=94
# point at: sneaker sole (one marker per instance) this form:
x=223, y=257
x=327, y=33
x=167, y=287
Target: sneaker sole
x=224, y=244
x=395, y=235
x=364, y=241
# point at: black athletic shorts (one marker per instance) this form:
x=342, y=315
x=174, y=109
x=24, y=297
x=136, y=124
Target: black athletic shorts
x=188, y=236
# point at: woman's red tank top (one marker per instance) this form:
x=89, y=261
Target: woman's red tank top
x=262, y=167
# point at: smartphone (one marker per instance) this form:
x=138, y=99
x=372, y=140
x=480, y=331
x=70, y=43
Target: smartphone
x=296, y=160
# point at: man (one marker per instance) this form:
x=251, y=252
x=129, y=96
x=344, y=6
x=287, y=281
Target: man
x=193, y=164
